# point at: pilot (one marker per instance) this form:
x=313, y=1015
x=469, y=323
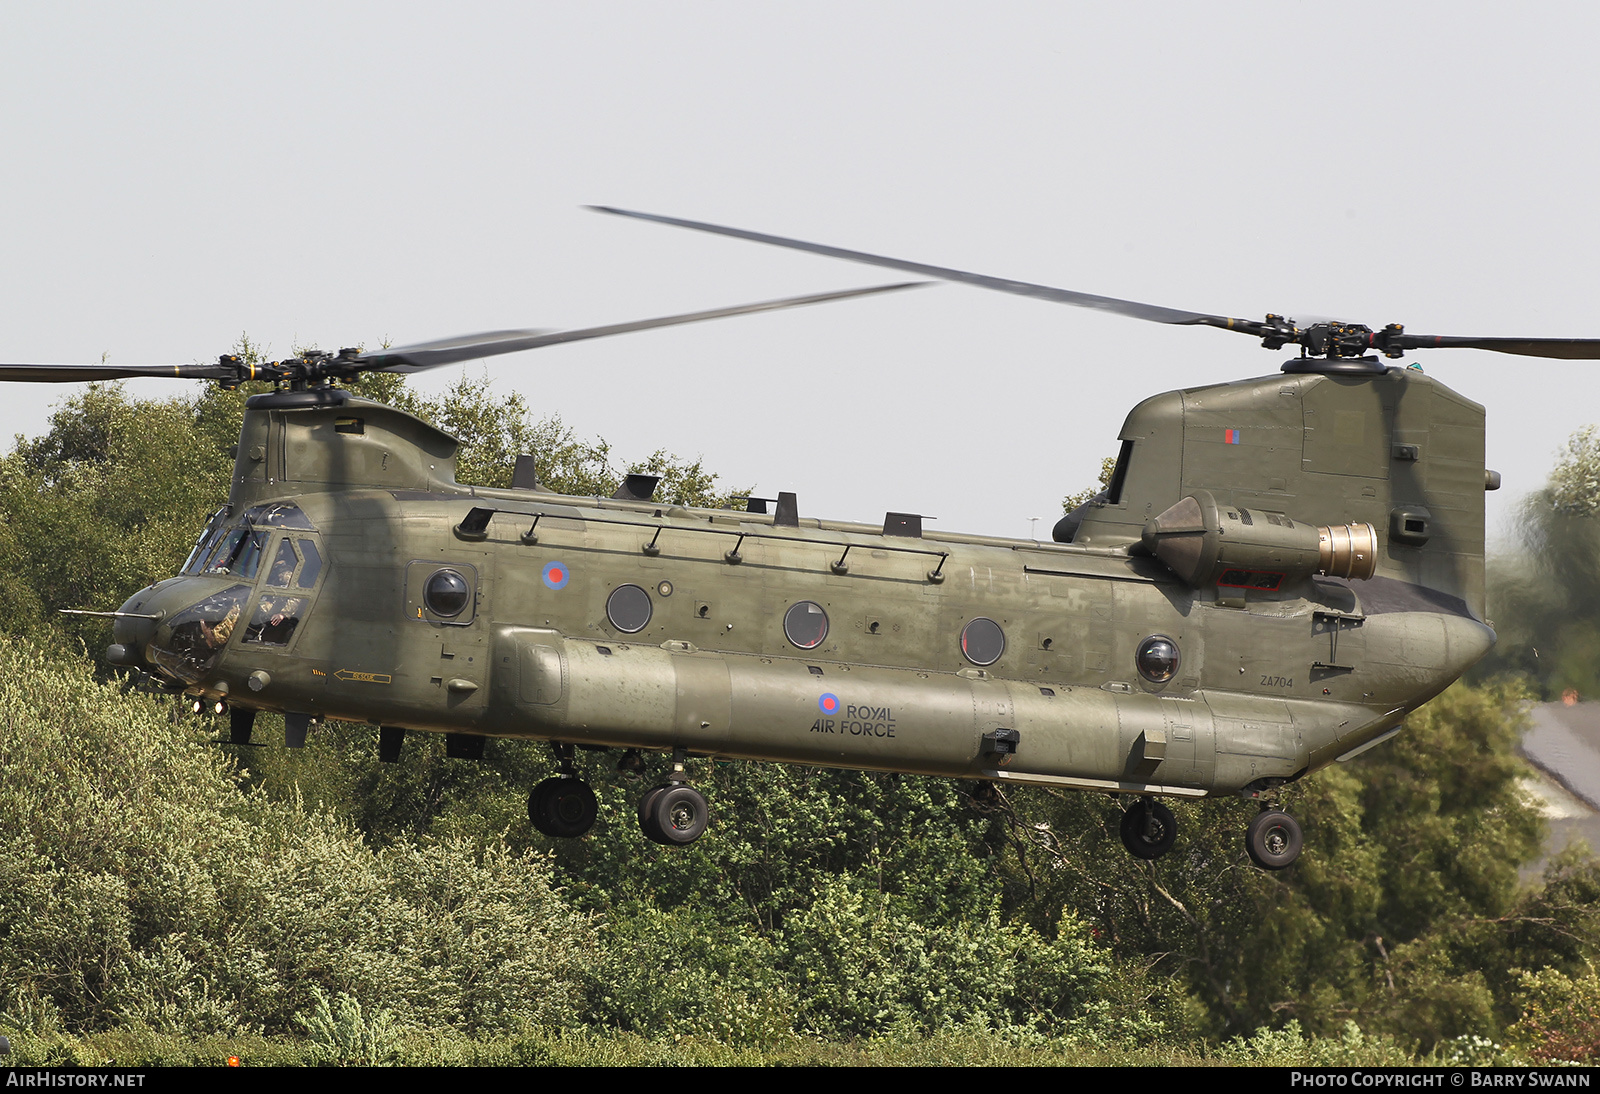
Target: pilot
x=282, y=570
x=275, y=621
x=217, y=636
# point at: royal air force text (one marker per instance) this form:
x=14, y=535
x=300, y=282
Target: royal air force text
x=859, y=721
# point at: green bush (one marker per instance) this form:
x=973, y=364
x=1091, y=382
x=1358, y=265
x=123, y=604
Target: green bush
x=141, y=885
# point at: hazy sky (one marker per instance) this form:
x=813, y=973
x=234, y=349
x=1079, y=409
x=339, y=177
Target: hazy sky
x=334, y=174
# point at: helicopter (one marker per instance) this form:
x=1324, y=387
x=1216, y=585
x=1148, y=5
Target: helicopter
x=1280, y=570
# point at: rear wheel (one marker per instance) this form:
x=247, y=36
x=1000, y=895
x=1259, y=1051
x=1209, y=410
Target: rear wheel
x=1273, y=839
x=647, y=816
x=679, y=814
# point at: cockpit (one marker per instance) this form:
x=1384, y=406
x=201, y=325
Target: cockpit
x=273, y=553
x=235, y=546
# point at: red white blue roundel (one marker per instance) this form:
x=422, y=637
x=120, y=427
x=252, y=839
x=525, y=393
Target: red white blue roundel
x=828, y=703
x=556, y=575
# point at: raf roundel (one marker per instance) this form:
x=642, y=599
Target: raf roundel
x=828, y=703
x=556, y=575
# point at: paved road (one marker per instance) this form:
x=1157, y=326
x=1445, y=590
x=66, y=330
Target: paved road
x=1563, y=745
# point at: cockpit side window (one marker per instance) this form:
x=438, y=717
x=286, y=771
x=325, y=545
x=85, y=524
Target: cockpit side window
x=275, y=618
x=284, y=597
x=248, y=559
x=199, y=634
x=237, y=547
x=281, y=573
x=222, y=554
x=313, y=567
x=239, y=553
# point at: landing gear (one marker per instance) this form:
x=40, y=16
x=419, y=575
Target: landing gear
x=562, y=806
x=674, y=813
x=1148, y=829
x=985, y=795
x=1273, y=839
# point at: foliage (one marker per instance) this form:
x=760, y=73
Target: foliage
x=144, y=883
x=1542, y=598
x=157, y=895
x=106, y=502
x=1575, y=482
x=112, y=496
x=1290, y=1047
x=847, y=904
x=130, y=1047
x=1108, y=467
x=340, y=1032
x=1398, y=913
x=880, y=920
x=139, y=885
x=1562, y=1020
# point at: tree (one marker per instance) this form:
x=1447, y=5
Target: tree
x=1108, y=467
x=110, y=498
x=142, y=883
x=1403, y=912
x=838, y=903
x=1545, y=598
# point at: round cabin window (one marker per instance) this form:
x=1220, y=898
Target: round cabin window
x=806, y=624
x=446, y=593
x=628, y=608
x=982, y=641
x=1157, y=659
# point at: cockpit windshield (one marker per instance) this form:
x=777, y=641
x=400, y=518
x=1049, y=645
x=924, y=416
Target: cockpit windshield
x=238, y=552
x=235, y=546
x=207, y=541
x=280, y=514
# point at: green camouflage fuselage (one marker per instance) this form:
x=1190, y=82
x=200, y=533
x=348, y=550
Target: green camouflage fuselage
x=1269, y=683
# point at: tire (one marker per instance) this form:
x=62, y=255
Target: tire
x=536, y=810
x=1273, y=839
x=679, y=814
x=1139, y=840
x=564, y=808
x=647, y=822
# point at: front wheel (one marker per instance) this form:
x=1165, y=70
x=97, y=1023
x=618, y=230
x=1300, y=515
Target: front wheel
x=1148, y=829
x=1273, y=840
x=562, y=807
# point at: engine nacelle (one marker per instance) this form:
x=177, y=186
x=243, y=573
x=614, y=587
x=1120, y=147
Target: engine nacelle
x=1209, y=544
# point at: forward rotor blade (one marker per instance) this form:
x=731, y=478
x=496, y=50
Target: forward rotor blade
x=468, y=347
x=1150, y=312
x=1567, y=349
x=73, y=374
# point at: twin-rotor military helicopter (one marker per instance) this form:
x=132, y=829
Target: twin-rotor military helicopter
x=1279, y=572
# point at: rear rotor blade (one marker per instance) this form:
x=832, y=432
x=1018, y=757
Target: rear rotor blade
x=1567, y=349
x=468, y=347
x=1151, y=312
x=72, y=374
x=1319, y=337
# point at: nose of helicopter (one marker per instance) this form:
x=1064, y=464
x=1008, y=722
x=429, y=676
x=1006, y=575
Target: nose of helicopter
x=178, y=626
x=136, y=622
